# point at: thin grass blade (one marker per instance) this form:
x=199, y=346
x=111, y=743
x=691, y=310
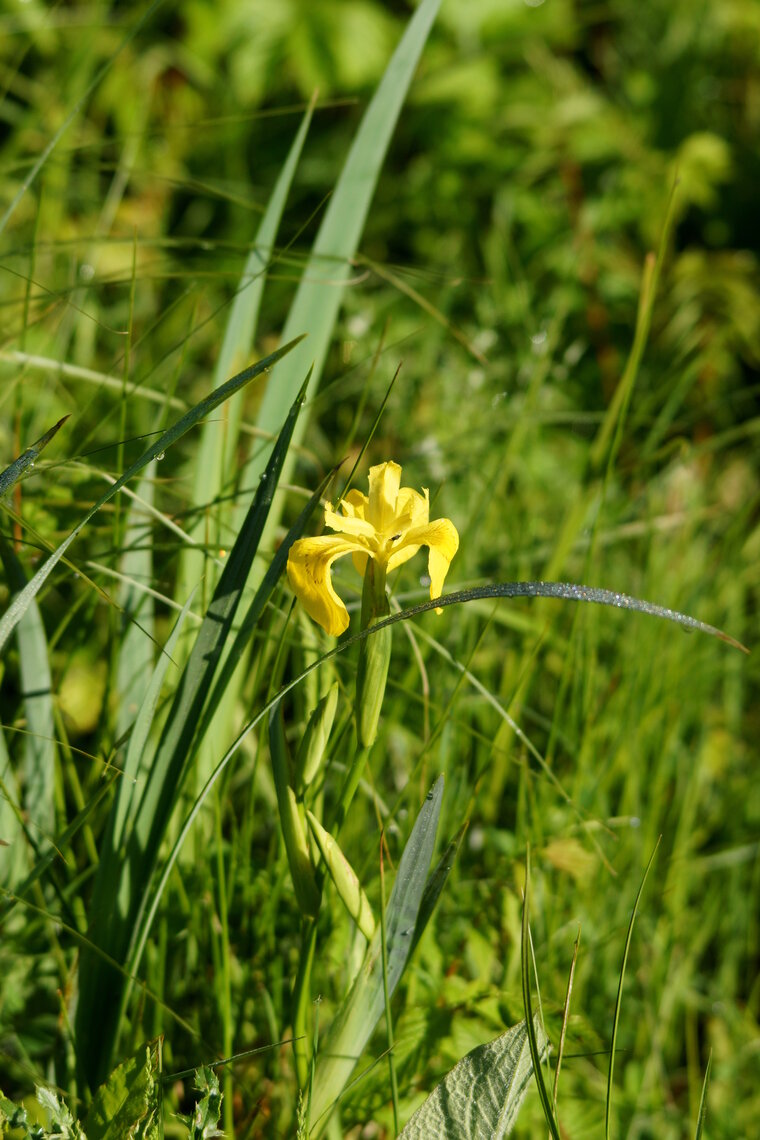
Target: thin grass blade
x=619, y=998
x=703, y=1101
x=530, y=1025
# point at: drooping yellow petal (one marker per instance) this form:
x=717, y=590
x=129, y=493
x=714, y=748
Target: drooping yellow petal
x=384, y=481
x=443, y=541
x=309, y=565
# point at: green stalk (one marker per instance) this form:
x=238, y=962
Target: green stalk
x=226, y=996
x=301, y=1002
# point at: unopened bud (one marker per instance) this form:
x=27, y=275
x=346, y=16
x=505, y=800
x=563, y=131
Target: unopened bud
x=343, y=875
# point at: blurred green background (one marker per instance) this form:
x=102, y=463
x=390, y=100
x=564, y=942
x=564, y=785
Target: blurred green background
x=528, y=179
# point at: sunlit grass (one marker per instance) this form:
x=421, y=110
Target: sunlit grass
x=145, y=264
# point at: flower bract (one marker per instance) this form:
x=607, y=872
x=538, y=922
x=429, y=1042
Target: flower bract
x=389, y=525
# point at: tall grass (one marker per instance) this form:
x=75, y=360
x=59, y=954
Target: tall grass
x=197, y=848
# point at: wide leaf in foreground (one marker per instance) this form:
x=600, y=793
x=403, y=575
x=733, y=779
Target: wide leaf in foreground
x=482, y=1095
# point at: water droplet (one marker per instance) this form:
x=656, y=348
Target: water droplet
x=539, y=341
x=424, y=579
x=635, y=821
x=86, y=271
x=429, y=796
x=160, y=456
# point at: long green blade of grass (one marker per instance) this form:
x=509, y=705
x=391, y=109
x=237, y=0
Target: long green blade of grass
x=219, y=441
x=702, y=1112
x=619, y=998
x=21, y=601
x=138, y=759
x=536, y=1051
x=37, y=693
x=136, y=644
x=318, y=299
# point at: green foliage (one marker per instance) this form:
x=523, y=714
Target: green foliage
x=546, y=214
x=202, y=1124
x=127, y=1106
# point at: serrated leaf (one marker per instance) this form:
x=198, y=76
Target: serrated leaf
x=481, y=1096
x=128, y=1105
x=202, y=1125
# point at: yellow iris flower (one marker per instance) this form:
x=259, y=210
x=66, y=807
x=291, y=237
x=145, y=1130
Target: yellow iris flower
x=389, y=525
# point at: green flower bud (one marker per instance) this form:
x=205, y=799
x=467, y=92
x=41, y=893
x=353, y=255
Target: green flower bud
x=312, y=748
x=293, y=830
x=343, y=875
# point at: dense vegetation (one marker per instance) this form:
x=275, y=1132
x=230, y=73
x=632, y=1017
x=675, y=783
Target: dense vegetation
x=561, y=256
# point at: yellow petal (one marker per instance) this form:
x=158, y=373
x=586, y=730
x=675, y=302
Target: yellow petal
x=355, y=505
x=309, y=564
x=443, y=541
x=403, y=552
x=347, y=524
x=412, y=509
x=360, y=562
x=384, y=480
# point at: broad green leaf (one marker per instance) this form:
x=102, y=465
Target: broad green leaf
x=22, y=600
x=61, y=1121
x=361, y=1010
x=481, y=1096
x=128, y=1105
